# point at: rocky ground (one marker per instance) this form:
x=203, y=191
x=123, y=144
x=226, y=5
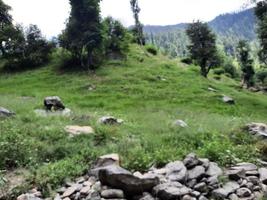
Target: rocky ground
x=190, y=179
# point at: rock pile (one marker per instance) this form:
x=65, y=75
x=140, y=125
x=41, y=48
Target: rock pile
x=257, y=129
x=190, y=179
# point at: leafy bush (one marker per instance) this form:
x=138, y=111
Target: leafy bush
x=187, y=61
x=261, y=76
x=230, y=69
x=219, y=71
x=151, y=49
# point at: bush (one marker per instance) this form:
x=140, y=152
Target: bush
x=219, y=71
x=187, y=61
x=230, y=69
x=261, y=76
x=151, y=49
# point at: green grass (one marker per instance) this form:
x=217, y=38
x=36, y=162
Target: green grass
x=130, y=90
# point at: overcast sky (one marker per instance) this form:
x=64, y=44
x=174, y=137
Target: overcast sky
x=50, y=15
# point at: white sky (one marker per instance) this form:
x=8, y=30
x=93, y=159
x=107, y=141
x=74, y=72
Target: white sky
x=50, y=15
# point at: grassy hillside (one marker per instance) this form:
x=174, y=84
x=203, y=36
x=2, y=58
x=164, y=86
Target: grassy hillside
x=131, y=90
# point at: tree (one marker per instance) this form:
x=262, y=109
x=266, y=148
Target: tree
x=138, y=28
x=246, y=63
x=261, y=13
x=82, y=36
x=116, y=37
x=203, y=46
x=261, y=76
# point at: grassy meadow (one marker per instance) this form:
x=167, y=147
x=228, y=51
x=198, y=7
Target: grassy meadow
x=149, y=93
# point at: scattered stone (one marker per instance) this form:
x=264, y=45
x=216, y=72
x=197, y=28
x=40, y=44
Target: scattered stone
x=196, y=173
x=228, y=100
x=5, y=113
x=79, y=130
x=70, y=191
x=226, y=190
x=180, y=123
x=53, y=103
x=258, y=129
x=109, y=120
x=243, y=192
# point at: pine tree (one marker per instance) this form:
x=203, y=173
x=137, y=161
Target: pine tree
x=203, y=46
x=246, y=63
x=138, y=29
x=82, y=36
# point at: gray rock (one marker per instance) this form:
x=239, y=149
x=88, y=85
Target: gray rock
x=259, y=129
x=243, y=192
x=201, y=187
x=176, y=171
x=226, y=190
x=106, y=160
x=119, y=178
x=53, y=103
x=112, y=194
x=236, y=174
x=5, y=113
x=245, y=166
x=180, y=123
x=110, y=120
x=191, y=161
x=212, y=180
x=146, y=196
x=171, y=190
x=205, y=163
x=253, y=179
x=188, y=197
x=71, y=190
x=57, y=197
x=46, y=113
x=263, y=175
x=233, y=197
x=214, y=170
x=196, y=173
x=202, y=198
x=94, y=195
x=228, y=100
x=28, y=197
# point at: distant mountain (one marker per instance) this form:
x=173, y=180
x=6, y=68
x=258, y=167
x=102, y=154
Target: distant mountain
x=230, y=28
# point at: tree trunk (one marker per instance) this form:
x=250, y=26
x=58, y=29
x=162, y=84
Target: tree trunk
x=89, y=60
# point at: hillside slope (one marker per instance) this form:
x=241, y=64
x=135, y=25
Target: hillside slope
x=149, y=93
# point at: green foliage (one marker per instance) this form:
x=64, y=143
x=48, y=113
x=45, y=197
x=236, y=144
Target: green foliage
x=203, y=46
x=82, y=36
x=246, y=63
x=230, y=69
x=219, y=71
x=151, y=49
x=261, y=76
x=116, y=37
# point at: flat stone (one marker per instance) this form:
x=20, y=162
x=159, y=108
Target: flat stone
x=228, y=100
x=171, y=190
x=79, y=130
x=112, y=194
x=119, y=178
x=180, y=123
x=263, y=175
x=28, y=197
x=45, y=113
x=70, y=191
x=245, y=166
x=236, y=174
x=176, y=171
x=85, y=190
x=196, y=172
x=214, y=170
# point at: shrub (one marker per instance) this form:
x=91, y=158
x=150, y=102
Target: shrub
x=219, y=71
x=230, y=69
x=151, y=49
x=187, y=61
x=261, y=76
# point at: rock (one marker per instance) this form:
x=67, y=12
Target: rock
x=191, y=161
x=112, y=194
x=228, y=100
x=176, y=171
x=211, y=89
x=214, y=170
x=85, y=190
x=28, y=197
x=223, y=193
x=245, y=166
x=104, y=161
x=243, y=192
x=258, y=129
x=233, y=197
x=57, y=197
x=171, y=190
x=46, y=113
x=263, y=175
x=253, y=179
x=212, y=180
x=201, y=187
x=78, y=130
x=119, y=178
x=196, y=173
x=202, y=198
x=5, y=113
x=146, y=196
x=188, y=197
x=180, y=123
x=71, y=190
x=205, y=163
x=109, y=120
x=53, y=103
x=236, y=174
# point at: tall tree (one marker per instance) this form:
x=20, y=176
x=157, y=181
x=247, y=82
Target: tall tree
x=203, y=46
x=261, y=13
x=138, y=29
x=82, y=36
x=246, y=63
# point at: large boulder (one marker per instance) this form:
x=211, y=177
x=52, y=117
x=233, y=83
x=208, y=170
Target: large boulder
x=176, y=171
x=119, y=178
x=53, y=103
x=5, y=112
